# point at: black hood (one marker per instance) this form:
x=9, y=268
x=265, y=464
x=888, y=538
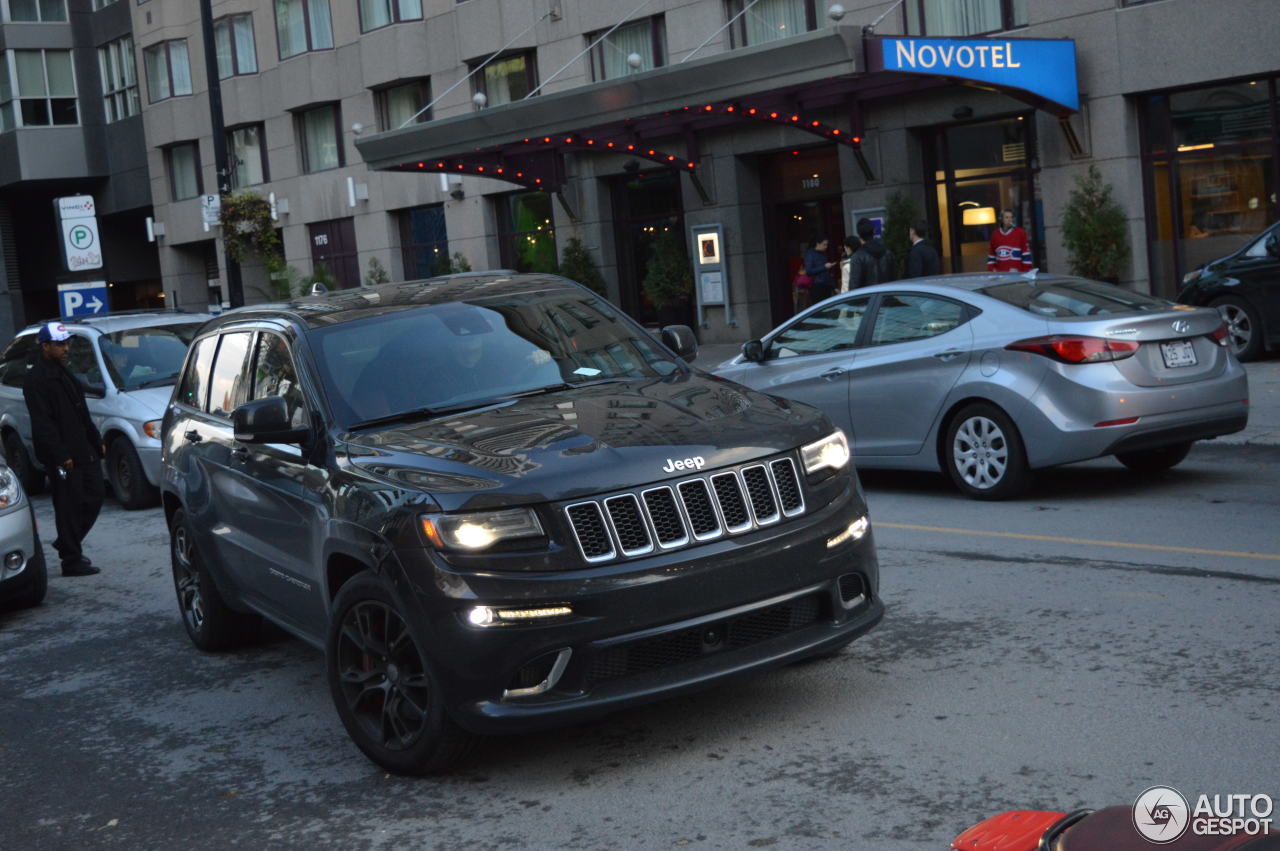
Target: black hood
x=875, y=248
x=587, y=440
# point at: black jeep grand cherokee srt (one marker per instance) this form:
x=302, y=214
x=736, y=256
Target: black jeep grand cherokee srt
x=498, y=504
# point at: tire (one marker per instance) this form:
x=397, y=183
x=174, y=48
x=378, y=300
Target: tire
x=15, y=455
x=210, y=622
x=1244, y=328
x=1155, y=460
x=383, y=685
x=984, y=454
x=34, y=595
x=128, y=479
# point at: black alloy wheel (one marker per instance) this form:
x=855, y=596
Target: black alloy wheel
x=1244, y=329
x=210, y=622
x=383, y=686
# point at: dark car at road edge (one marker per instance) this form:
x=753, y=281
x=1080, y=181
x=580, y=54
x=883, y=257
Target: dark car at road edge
x=1245, y=288
x=499, y=505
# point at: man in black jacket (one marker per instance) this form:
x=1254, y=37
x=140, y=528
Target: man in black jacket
x=922, y=259
x=873, y=263
x=67, y=444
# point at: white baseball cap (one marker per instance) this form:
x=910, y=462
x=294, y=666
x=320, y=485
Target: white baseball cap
x=53, y=332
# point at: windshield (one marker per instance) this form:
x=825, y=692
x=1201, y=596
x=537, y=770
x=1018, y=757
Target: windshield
x=147, y=357
x=466, y=354
x=1073, y=297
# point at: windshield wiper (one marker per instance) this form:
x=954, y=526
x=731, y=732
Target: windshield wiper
x=156, y=382
x=562, y=385
x=420, y=414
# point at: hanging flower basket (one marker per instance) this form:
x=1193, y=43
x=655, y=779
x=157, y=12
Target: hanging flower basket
x=247, y=227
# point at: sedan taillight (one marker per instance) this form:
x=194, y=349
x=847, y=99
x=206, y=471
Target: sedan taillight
x=1067, y=349
x=1221, y=335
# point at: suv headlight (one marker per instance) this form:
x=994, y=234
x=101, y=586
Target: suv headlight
x=1192, y=276
x=832, y=452
x=10, y=491
x=480, y=530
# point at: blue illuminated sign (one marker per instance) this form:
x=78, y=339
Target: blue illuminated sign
x=1043, y=68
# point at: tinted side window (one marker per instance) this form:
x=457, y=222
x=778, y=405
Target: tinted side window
x=901, y=318
x=17, y=359
x=831, y=329
x=195, y=384
x=275, y=375
x=229, y=379
x=82, y=362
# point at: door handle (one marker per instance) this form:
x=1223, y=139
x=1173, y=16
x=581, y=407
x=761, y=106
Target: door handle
x=833, y=373
x=241, y=453
x=193, y=436
x=948, y=355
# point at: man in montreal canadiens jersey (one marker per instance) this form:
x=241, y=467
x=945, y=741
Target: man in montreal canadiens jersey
x=1009, y=250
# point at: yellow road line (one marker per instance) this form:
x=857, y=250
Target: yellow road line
x=1060, y=540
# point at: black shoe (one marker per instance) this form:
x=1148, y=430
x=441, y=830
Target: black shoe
x=81, y=569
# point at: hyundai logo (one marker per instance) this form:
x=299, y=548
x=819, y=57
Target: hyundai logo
x=1182, y=326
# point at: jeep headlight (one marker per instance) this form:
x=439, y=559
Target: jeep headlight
x=479, y=530
x=10, y=492
x=832, y=452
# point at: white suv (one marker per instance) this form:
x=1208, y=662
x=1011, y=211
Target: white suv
x=127, y=363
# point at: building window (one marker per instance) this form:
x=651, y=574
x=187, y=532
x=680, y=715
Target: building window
x=168, y=71
x=184, y=170
x=1210, y=170
x=401, y=103
x=424, y=241
x=508, y=79
x=35, y=10
x=233, y=40
x=119, y=79
x=320, y=134
x=37, y=89
x=303, y=25
x=527, y=234
x=963, y=17
x=381, y=13
x=102, y=4
x=612, y=56
x=248, y=160
x=770, y=20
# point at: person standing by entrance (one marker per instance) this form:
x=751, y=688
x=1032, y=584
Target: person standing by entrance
x=67, y=444
x=851, y=246
x=922, y=259
x=1008, y=250
x=818, y=267
x=872, y=263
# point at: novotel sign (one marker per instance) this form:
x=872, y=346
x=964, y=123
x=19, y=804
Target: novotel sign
x=1042, y=68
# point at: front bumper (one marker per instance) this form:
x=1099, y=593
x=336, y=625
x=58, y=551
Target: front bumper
x=17, y=535
x=650, y=628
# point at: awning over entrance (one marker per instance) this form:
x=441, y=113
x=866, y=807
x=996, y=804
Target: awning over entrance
x=660, y=114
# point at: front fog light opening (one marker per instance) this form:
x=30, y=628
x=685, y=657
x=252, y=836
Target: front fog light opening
x=543, y=673
x=854, y=532
x=494, y=615
x=14, y=560
x=853, y=590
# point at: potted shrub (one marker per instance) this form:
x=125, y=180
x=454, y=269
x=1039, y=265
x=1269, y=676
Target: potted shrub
x=1095, y=230
x=668, y=281
x=576, y=264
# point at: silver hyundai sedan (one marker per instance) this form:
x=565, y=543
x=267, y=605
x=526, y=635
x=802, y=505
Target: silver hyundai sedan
x=988, y=377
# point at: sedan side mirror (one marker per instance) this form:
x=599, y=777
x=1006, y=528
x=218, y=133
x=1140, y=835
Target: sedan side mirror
x=753, y=350
x=267, y=421
x=680, y=339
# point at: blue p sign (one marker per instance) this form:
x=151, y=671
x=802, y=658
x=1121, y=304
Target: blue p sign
x=83, y=299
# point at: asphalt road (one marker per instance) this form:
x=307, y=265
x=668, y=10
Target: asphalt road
x=1102, y=636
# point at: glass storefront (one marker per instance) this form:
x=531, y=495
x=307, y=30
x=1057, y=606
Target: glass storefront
x=646, y=207
x=527, y=233
x=977, y=170
x=1210, y=172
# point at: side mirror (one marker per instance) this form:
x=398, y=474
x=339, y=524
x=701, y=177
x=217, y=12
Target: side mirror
x=753, y=350
x=1273, y=245
x=97, y=391
x=680, y=339
x=267, y=421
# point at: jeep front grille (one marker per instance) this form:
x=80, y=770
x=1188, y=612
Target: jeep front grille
x=693, y=510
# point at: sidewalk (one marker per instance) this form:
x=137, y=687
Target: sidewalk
x=1264, y=395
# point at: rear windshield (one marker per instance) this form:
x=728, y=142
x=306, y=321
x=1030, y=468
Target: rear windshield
x=147, y=357
x=469, y=353
x=1073, y=297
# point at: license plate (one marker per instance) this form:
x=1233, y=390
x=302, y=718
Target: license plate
x=1178, y=353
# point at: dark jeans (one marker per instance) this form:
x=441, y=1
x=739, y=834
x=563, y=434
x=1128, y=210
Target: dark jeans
x=819, y=292
x=77, y=499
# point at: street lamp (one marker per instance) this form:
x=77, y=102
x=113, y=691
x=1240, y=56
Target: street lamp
x=235, y=287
